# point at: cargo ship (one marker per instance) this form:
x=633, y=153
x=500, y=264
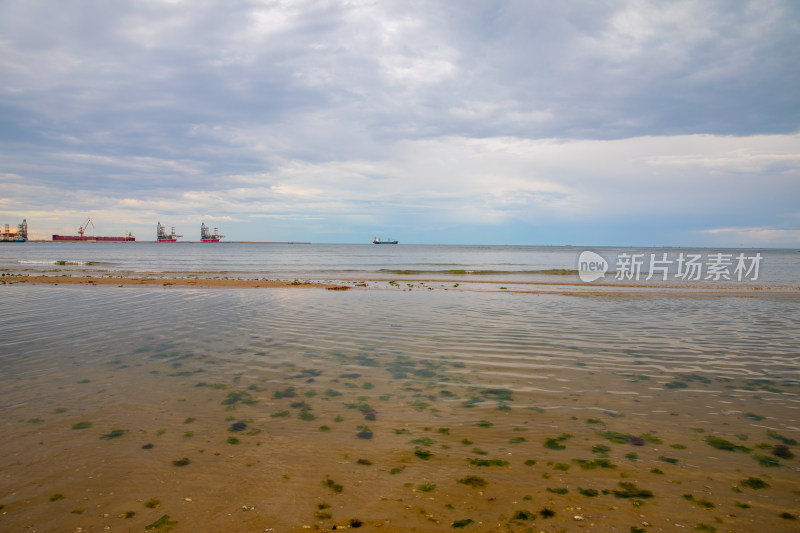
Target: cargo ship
x=376, y=240
x=92, y=238
x=207, y=236
x=18, y=235
x=162, y=236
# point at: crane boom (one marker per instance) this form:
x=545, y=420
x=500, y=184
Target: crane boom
x=86, y=225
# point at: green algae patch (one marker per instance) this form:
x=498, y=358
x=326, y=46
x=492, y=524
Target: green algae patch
x=754, y=483
x=331, y=484
x=423, y=441
x=113, y=434
x=423, y=454
x=601, y=450
x=630, y=490
x=554, y=443
x=722, y=444
x=162, y=524
x=488, y=462
x=705, y=527
x=766, y=460
x=615, y=436
x=705, y=504
x=364, y=432
x=499, y=395
x=777, y=436
x=82, y=425
x=591, y=465
x=522, y=515
x=473, y=481
x=239, y=397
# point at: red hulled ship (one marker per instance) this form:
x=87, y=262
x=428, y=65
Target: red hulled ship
x=207, y=236
x=18, y=235
x=163, y=236
x=92, y=238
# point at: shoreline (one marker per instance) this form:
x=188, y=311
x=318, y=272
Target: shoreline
x=166, y=281
x=524, y=287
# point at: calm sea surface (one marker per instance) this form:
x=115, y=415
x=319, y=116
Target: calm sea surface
x=777, y=267
x=283, y=409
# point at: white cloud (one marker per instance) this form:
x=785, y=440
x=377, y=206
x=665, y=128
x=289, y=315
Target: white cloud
x=757, y=236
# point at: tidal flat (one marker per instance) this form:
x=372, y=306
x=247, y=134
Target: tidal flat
x=287, y=410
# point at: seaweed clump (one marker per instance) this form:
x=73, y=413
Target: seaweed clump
x=722, y=444
x=113, y=434
x=783, y=451
x=554, y=443
x=335, y=487
x=754, y=483
x=473, y=481
x=238, y=397
x=523, y=515
x=630, y=490
x=162, y=524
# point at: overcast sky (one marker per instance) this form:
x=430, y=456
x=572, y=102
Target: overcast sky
x=492, y=122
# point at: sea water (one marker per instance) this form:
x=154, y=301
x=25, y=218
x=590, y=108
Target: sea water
x=776, y=267
x=299, y=408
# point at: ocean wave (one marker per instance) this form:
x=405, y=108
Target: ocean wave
x=545, y=272
x=63, y=262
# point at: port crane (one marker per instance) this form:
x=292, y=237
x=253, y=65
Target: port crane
x=86, y=225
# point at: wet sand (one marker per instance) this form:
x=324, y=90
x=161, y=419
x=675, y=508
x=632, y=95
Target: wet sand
x=408, y=283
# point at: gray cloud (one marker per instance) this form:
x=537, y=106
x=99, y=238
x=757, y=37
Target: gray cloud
x=390, y=107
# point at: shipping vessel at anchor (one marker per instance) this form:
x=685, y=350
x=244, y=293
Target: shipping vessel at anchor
x=18, y=235
x=162, y=236
x=376, y=240
x=92, y=238
x=207, y=236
